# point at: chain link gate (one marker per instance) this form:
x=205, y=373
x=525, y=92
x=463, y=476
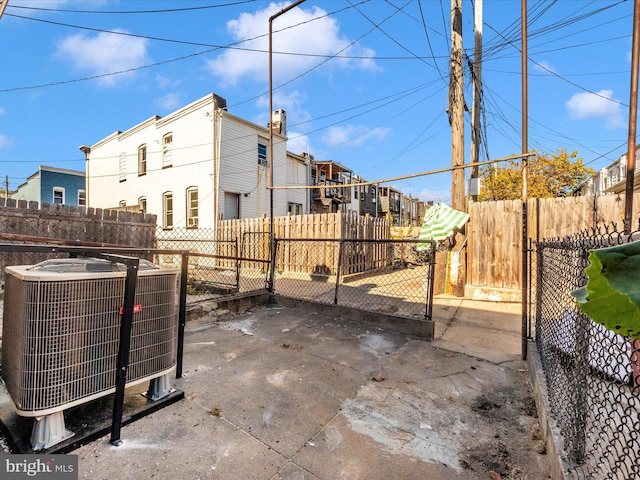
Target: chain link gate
x=591, y=372
x=393, y=277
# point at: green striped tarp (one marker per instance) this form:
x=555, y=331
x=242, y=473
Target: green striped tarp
x=440, y=222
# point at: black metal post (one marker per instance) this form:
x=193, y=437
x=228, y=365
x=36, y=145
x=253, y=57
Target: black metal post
x=122, y=366
x=428, y=313
x=525, y=277
x=237, y=285
x=273, y=243
x=340, y=252
x=182, y=315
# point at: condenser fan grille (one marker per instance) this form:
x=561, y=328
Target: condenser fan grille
x=64, y=336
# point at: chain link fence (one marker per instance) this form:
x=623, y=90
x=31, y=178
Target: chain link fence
x=393, y=277
x=218, y=268
x=591, y=372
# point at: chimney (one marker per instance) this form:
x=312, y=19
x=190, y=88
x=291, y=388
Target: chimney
x=279, y=122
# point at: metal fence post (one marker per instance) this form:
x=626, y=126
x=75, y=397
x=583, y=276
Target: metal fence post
x=124, y=346
x=182, y=316
x=273, y=242
x=428, y=312
x=340, y=252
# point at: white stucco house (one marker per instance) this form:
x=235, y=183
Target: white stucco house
x=195, y=165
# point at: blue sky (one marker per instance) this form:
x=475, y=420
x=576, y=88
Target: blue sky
x=364, y=83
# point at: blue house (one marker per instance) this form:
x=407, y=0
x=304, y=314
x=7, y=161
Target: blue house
x=55, y=186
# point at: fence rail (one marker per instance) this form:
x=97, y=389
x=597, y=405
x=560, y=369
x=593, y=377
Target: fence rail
x=591, y=372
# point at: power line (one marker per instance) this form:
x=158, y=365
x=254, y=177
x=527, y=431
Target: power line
x=127, y=12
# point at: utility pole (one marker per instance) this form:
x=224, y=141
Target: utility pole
x=633, y=112
x=525, y=173
x=477, y=93
x=6, y=187
x=3, y=5
x=271, y=19
x=456, y=108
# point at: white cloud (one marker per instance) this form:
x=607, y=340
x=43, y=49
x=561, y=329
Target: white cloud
x=4, y=141
x=353, y=135
x=305, y=37
x=2, y=111
x=168, y=102
x=104, y=53
x=165, y=82
x=544, y=67
x=297, y=143
x=427, y=194
x=291, y=103
x=599, y=106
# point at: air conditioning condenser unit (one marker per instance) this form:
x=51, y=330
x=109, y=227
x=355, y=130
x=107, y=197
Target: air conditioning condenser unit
x=61, y=329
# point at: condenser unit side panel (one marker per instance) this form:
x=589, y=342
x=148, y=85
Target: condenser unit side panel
x=66, y=335
x=13, y=312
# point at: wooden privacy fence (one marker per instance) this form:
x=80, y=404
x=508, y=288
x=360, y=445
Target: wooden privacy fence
x=494, y=245
x=252, y=234
x=334, y=226
x=24, y=221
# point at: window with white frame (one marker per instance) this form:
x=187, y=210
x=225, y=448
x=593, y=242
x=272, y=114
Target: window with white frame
x=295, y=208
x=122, y=168
x=82, y=198
x=167, y=153
x=192, y=207
x=142, y=204
x=142, y=160
x=263, y=157
x=58, y=196
x=167, y=210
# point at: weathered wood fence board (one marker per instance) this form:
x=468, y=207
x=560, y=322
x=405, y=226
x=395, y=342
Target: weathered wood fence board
x=316, y=256
x=495, y=231
x=29, y=222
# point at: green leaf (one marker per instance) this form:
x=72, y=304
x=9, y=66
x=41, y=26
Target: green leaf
x=612, y=294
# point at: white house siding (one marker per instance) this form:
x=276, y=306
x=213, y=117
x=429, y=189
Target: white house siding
x=30, y=190
x=298, y=175
x=196, y=159
x=192, y=132
x=240, y=173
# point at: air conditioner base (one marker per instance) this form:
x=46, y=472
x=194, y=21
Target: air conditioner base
x=88, y=422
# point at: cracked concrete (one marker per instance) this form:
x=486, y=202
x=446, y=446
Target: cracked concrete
x=278, y=393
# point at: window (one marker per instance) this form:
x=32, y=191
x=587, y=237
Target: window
x=82, y=197
x=295, y=208
x=58, y=196
x=142, y=204
x=167, y=210
x=263, y=159
x=142, y=160
x=122, y=170
x=192, y=207
x=362, y=190
x=167, y=154
x=374, y=191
